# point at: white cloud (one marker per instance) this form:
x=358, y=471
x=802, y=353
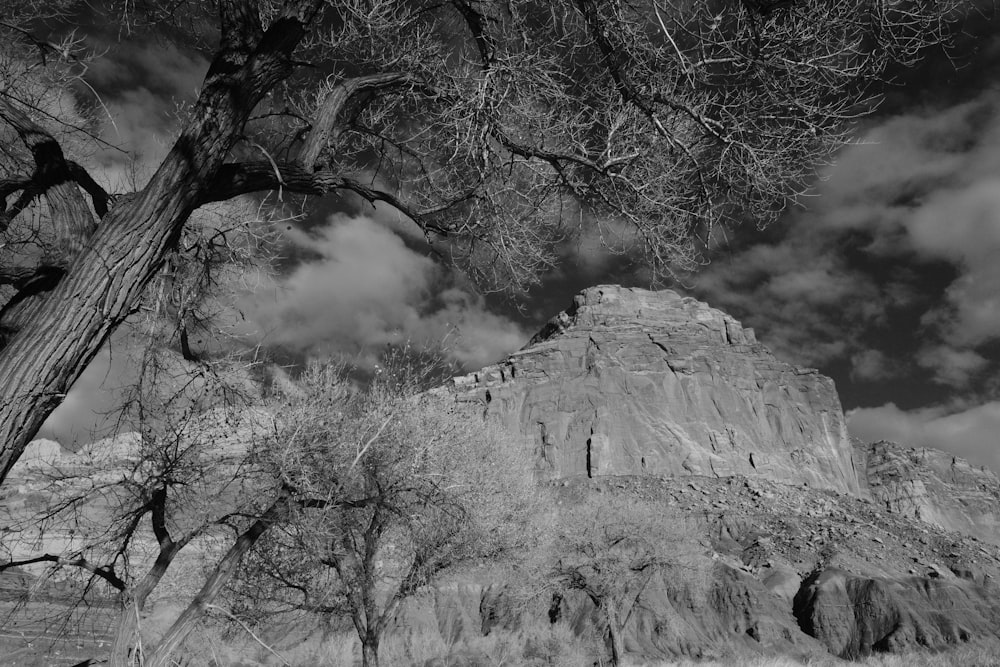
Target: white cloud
x=951, y=366
x=142, y=86
x=366, y=288
x=806, y=302
x=918, y=191
x=973, y=434
x=929, y=184
x=870, y=365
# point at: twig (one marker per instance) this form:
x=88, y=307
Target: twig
x=249, y=632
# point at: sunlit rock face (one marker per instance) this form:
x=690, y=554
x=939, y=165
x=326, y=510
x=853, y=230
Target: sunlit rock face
x=630, y=381
x=933, y=486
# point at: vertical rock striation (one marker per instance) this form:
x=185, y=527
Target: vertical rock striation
x=630, y=381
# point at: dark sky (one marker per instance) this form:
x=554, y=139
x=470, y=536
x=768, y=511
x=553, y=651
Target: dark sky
x=885, y=278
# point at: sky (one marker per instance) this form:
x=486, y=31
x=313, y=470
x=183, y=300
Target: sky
x=885, y=277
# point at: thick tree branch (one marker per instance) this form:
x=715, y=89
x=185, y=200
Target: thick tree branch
x=234, y=179
x=241, y=31
x=98, y=196
x=104, y=572
x=476, y=23
x=216, y=582
x=54, y=177
x=9, y=186
x=158, y=511
x=335, y=103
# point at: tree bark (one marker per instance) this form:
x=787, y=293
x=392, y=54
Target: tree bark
x=369, y=649
x=58, y=338
x=615, y=634
x=125, y=647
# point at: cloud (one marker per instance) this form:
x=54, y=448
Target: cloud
x=891, y=269
x=364, y=288
x=970, y=434
x=870, y=365
x=142, y=86
x=928, y=183
x=807, y=303
x=950, y=366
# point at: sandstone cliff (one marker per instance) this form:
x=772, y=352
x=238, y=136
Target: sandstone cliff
x=932, y=486
x=629, y=381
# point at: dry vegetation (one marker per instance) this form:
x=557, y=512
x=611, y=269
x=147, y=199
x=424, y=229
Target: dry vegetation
x=535, y=646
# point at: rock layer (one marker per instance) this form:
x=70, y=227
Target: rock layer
x=629, y=381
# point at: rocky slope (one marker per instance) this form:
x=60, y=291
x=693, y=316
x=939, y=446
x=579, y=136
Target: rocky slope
x=628, y=381
x=768, y=569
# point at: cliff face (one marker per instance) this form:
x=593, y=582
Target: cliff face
x=932, y=486
x=629, y=381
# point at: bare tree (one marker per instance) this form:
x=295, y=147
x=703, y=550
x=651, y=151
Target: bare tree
x=402, y=487
x=176, y=479
x=134, y=505
x=612, y=547
x=494, y=126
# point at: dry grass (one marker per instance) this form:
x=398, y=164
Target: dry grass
x=968, y=655
x=549, y=646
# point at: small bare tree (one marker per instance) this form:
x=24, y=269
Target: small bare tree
x=175, y=478
x=409, y=487
x=611, y=548
x=136, y=504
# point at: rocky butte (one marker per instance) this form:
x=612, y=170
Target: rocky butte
x=810, y=542
x=628, y=381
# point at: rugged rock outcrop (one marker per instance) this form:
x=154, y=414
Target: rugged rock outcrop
x=771, y=569
x=857, y=615
x=932, y=486
x=810, y=540
x=629, y=381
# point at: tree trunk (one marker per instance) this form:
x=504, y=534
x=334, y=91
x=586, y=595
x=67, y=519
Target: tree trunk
x=126, y=649
x=175, y=636
x=615, y=634
x=369, y=649
x=58, y=338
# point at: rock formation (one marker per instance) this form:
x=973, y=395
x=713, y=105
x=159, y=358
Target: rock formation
x=932, y=486
x=629, y=381
x=812, y=542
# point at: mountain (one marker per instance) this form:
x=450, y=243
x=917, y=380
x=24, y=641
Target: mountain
x=628, y=381
x=808, y=539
